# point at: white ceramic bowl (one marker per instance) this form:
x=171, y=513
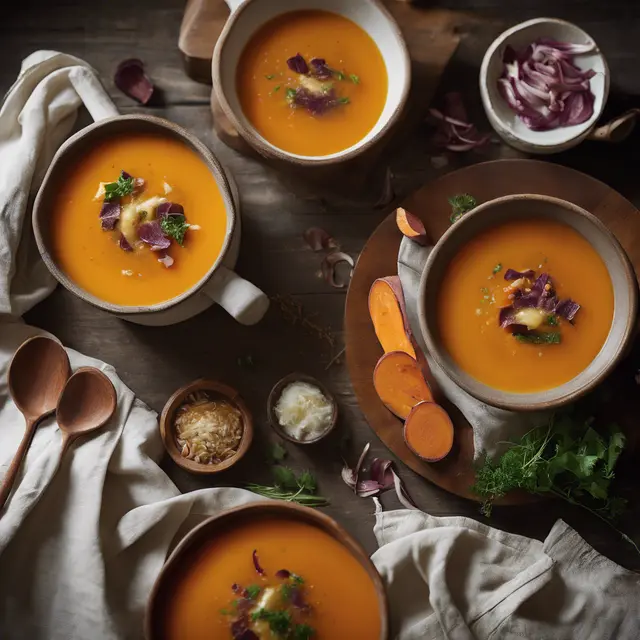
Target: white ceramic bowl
x=506, y=123
x=247, y=16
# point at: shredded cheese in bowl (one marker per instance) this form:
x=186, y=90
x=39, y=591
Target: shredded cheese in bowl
x=208, y=430
x=303, y=411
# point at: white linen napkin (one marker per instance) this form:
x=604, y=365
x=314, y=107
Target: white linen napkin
x=458, y=579
x=492, y=427
x=82, y=539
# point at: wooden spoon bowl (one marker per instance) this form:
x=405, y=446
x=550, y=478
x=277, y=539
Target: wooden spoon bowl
x=168, y=431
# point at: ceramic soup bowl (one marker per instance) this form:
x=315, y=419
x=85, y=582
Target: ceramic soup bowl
x=245, y=302
x=247, y=16
x=521, y=207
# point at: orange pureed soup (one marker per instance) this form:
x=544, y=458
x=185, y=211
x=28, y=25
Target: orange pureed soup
x=349, y=90
x=336, y=598
x=93, y=257
x=474, y=290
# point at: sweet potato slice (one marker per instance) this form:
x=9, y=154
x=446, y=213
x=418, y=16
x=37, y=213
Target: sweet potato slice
x=399, y=383
x=428, y=431
x=411, y=226
x=389, y=316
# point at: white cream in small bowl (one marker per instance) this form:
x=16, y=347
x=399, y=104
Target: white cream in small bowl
x=301, y=409
x=505, y=121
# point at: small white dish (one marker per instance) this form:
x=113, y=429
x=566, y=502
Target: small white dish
x=505, y=122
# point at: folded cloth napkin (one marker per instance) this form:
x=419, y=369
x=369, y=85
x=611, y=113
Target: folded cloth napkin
x=492, y=427
x=458, y=579
x=81, y=538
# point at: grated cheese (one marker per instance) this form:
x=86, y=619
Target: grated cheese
x=303, y=411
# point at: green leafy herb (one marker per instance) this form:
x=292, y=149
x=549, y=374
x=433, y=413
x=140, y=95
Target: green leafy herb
x=270, y=76
x=344, y=100
x=276, y=88
x=497, y=268
x=279, y=621
x=297, y=580
x=253, y=591
x=303, y=632
x=290, y=94
x=122, y=187
x=551, y=337
x=566, y=458
x=338, y=74
x=552, y=320
x=285, y=591
x=290, y=488
x=460, y=204
x=354, y=78
x=278, y=453
x=175, y=227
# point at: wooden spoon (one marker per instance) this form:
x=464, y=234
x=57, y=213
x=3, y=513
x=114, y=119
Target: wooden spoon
x=37, y=374
x=87, y=403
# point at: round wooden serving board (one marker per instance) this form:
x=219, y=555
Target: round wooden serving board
x=378, y=259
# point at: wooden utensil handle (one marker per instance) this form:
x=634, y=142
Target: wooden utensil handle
x=9, y=479
x=67, y=439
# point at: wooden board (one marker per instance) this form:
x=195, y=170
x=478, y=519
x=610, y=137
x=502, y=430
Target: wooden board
x=484, y=181
x=432, y=37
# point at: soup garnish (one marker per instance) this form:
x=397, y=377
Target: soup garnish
x=535, y=312
x=275, y=609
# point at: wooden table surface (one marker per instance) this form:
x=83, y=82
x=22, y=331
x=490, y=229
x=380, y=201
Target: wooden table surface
x=155, y=361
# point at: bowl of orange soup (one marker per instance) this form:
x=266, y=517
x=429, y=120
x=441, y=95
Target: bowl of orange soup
x=268, y=570
x=527, y=302
x=311, y=82
x=136, y=216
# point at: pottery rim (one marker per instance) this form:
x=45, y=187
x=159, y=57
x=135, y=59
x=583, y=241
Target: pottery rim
x=625, y=295
x=275, y=394
x=542, y=142
x=201, y=534
x=68, y=153
x=267, y=149
x=167, y=427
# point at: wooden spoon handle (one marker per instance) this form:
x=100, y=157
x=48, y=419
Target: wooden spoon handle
x=67, y=439
x=9, y=479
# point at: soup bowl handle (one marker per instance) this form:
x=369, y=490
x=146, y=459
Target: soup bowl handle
x=237, y=296
x=234, y=5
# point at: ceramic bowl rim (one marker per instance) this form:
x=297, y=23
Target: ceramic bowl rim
x=249, y=133
x=499, y=124
x=503, y=399
x=265, y=508
x=166, y=128
x=167, y=428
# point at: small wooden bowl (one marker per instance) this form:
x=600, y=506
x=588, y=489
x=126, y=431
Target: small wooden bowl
x=167, y=428
x=275, y=394
x=173, y=571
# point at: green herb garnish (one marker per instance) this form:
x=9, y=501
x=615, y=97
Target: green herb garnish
x=276, y=88
x=297, y=580
x=460, y=204
x=338, y=74
x=270, y=76
x=551, y=337
x=285, y=591
x=344, y=100
x=279, y=621
x=497, y=268
x=122, y=187
x=278, y=453
x=290, y=488
x=566, y=458
x=552, y=320
x=290, y=94
x=354, y=78
x=303, y=632
x=175, y=227
x=253, y=591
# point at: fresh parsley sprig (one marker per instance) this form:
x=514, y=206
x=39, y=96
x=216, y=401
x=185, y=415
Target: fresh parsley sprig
x=118, y=189
x=291, y=488
x=460, y=204
x=175, y=226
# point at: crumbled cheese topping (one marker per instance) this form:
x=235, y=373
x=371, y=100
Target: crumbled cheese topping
x=303, y=411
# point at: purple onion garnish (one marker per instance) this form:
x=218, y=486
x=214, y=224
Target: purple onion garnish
x=152, y=234
x=567, y=309
x=512, y=274
x=298, y=64
x=123, y=243
x=256, y=563
x=169, y=209
x=131, y=79
x=544, y=87
x=319, y=69
x=109, y=215
x=454, y=130
x=283, y=574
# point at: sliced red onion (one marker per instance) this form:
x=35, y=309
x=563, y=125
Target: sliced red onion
x=169, y=209
x=318, y=239
x=380, y=471
x=350, y=476
x=152, y=234
x=329, y=264
x=507, y=317
x=316, y=103
x=166, y=260
x=567, y=309
x=298, y=64
x=131, y=79
x=138, y=185
x=109, y=215
x=283, y=574
x=256, y=562
x=123, y=243
x=319, y=69
x=544, y=87
x=512, y=274
x=455, y=132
